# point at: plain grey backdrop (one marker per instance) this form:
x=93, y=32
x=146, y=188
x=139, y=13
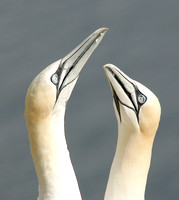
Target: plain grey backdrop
x=143, y=41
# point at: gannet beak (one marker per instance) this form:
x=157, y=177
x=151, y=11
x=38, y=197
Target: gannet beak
x=71, y=65
x=124, y=89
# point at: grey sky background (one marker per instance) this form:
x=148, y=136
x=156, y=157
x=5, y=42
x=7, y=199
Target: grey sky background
x=143, y=41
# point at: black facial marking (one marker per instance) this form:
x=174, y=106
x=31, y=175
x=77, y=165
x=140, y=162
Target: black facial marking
x=63, y=62
x=138, y=93
x=117, y=99
x=126, y=91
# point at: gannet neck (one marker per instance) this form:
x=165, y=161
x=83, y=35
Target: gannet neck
x=138, y=112
x=45, y=106
x=128, y=175
x=51, y=158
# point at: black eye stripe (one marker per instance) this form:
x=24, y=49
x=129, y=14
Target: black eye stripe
x=131, y=98
x=116, y=100
x=138, y=93
x=126, y=91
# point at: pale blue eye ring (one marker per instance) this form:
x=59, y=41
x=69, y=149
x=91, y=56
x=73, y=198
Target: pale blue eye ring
x=54, y=79
x=141, y=98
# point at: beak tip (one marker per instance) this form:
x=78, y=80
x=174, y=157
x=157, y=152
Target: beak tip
x=106, y=66
x=102, y=31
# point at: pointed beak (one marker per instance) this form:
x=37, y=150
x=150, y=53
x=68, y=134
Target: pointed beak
x=71, y=65
x=124, y=89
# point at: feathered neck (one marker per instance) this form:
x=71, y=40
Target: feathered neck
x=128, y=175
x=51, y=158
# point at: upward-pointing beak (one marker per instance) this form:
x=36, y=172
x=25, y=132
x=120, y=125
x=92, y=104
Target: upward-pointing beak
x=124, y=89
x=121, y=85
x=71, y=65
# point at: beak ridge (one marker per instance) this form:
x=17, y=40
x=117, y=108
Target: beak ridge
x=123, y=86
x=72, y=64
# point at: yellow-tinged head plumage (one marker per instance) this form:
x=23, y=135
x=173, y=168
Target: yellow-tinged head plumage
x=44, y=111
x=138, y=114
x=41, y=94
x=135, y=105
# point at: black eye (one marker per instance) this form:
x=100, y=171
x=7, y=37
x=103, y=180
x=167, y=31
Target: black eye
x=141, y=98
x=54, y=79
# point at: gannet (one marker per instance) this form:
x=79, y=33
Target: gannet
x=45, y=107
x=138, y=112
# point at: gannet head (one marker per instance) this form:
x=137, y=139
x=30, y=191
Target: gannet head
x=136, y=107
x=52, y=87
